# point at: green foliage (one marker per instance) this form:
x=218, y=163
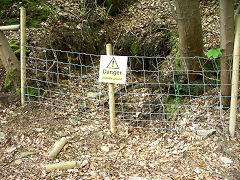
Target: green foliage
x=82, y=8
x=15, y=45
x=173, y=105
x=134, y=48
x=113, y=7
x=215, y=53
x=10, y=81
x=53, y=175
x=5, y=3
x=32, y=91
x=37, y=11
x=108, y=11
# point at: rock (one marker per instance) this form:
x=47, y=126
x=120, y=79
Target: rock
x=83, y=128
x=83, y=148
x=226, y=160
x=18, y=161
x=142, y=163
x=61, y=134
x=105, y=149
x=93, y=95
x=197, y=170
x=73, y=122
x=3, y=121
x=205, y=133
x=2, y=136
x=11, y=149
x=39, y=130
x=25, y=154
x=84, y=163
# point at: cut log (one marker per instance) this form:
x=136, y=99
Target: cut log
x=61, y=166
x=57, y=147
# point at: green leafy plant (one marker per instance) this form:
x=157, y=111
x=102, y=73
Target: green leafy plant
x=134, y=48
x=82, y=8
x=215, y=53
x=37, y=11
x=178, y=91
x=173, y=105
x=32, y=91
x=108, y=11
x=11, y=82
x=15, y=45
x=53, y=175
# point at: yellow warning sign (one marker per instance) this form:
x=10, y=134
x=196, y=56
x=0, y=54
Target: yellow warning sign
x=113, y=64
x=113, y=69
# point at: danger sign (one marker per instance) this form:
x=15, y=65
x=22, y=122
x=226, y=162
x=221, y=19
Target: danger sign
x=113, y=69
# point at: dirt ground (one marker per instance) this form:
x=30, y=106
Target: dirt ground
x=28, y=133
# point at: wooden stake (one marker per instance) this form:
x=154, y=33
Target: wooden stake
x=23, y=52
x=10, y=27
x=111, y=97
x=235, y=78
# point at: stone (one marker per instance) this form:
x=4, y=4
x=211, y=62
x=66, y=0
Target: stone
x=197, y=170
x=39, y=130
x=61, y=133
x=84, y=163
x=2, y=136
x=93, y=95
x=226, y=160
x=205, y=133
x=73, y=122
x=105, y=149
x=11, y=149
x=84, y=148
x=3, y=121
x=18, y=161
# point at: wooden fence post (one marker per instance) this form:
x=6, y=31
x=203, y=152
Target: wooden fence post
x=23, y=52
x=111, y=97
x=235, y=78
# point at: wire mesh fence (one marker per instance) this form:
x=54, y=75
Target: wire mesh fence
x=159, y=93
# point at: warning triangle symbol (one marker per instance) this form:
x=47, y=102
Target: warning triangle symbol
x=113, y=64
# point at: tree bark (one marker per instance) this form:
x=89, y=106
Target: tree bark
x=227, y=41
x=190, y=34
x=7, y=55
x=10, y=61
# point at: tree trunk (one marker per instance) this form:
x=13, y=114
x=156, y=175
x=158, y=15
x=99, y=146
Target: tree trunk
x=190, y=34
x=227, y=38
x=10, y=62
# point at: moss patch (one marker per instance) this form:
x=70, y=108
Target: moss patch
x=12, y=81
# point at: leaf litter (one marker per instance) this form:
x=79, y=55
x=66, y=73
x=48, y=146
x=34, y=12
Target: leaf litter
x=132, y=154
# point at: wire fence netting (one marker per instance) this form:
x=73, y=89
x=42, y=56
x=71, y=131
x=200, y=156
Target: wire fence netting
x=159, y=93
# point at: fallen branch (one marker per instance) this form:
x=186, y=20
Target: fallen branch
x=57, y=147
